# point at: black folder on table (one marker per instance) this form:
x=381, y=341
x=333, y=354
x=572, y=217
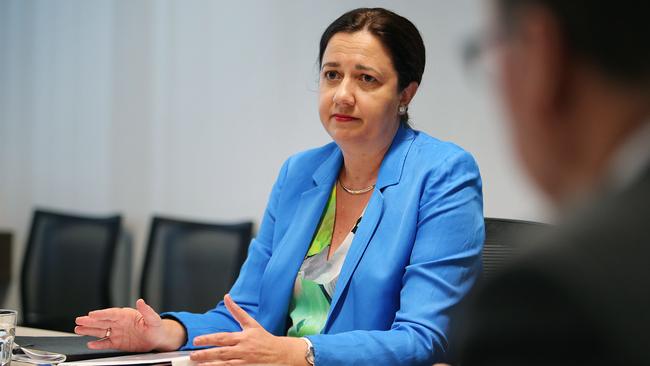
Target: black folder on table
x=74, y=347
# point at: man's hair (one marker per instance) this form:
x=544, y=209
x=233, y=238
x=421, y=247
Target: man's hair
x=613, y=35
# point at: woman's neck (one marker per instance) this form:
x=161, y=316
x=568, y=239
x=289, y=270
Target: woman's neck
x=361, y=166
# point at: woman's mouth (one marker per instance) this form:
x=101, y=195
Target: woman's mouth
x=344, y=118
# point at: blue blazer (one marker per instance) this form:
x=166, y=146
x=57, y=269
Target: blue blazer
x=415, y=254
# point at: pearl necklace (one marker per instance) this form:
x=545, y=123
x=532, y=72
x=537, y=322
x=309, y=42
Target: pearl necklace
x=356, y=191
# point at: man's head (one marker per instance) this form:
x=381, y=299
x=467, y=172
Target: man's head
x=575, y=77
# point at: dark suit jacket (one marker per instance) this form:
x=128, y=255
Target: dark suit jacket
x=581, y=297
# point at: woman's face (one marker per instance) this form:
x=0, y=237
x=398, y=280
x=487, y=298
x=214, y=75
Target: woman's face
x=359, y=99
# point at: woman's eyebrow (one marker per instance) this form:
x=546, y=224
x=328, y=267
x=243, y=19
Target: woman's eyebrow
x=357, y=67
x=331, y=64
x=366, y=68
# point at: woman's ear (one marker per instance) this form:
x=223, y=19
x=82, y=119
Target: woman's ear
x=408, y=93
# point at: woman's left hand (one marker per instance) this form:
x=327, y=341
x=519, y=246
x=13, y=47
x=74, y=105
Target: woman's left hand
x=252, y=345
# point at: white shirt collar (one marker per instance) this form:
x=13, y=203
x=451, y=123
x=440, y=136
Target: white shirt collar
x=624, y=167
x=630, y=160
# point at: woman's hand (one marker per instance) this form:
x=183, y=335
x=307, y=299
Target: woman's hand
x=252, y=345
x=133, y=330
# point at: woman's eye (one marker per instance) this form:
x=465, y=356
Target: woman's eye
x=331, y=75
x=368, y=79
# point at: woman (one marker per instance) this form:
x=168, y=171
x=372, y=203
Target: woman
x=366, y=243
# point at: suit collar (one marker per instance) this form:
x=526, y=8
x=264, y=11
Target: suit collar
x=365, y=231
x=391, y=167
x=390, y=173
x=289, y=254
x=281, y=270
x=630, y=160
x=328, y=171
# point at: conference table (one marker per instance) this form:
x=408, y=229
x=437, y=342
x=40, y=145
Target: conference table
x=35, y=332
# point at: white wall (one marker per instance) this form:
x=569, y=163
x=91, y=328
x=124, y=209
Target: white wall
x=189, y=107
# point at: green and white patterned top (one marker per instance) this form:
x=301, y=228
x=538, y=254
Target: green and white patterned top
x=316, y=279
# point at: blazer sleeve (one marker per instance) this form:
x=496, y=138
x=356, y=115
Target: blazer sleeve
x=246, y=289
x=444, y=263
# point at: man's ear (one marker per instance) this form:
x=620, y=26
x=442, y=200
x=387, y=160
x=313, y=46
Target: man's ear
x=408, y=93
x=549, y=68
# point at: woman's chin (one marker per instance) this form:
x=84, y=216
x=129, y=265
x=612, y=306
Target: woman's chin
x=347, y=134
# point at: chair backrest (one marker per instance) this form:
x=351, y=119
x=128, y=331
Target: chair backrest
x=190, y=266
x=121, y=273
x=5, y=259
x=5, y=265
x=504, y=238
x=66, y=268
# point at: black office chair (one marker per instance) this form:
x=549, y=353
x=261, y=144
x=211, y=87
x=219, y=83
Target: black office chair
x=504, y=238
x=66, y=268
x=5, y=265
x=190, y=266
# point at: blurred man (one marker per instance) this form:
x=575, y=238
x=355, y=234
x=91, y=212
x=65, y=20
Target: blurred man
x=575, y=79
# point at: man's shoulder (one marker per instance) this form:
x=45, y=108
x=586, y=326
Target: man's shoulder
x=586, y=283
x=608, y=241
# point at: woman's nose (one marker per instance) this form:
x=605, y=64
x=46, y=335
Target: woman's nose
x=344, y=94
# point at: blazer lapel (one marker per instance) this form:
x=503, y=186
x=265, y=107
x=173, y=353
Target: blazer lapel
x=277, y=284
x=390, y=173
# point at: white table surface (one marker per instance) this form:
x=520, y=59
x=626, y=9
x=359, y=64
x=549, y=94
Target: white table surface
x=35, y=332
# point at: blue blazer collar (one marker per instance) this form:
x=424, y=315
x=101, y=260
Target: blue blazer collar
x=390, y=173
x=328, y=171
x=289, y=255
x=391, y=168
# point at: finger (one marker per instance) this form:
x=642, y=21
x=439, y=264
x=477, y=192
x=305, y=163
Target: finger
x=148, y=313
x=106, y=314
x=216, y=354
x=102, y=344
x=94, y=323
x=89, y=331
x=240, y=315
x=218, y=339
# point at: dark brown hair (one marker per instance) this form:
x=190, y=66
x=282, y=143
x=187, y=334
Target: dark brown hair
x=397, y=34
x=611, y=35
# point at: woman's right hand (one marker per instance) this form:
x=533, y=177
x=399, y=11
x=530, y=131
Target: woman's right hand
x=133, y=330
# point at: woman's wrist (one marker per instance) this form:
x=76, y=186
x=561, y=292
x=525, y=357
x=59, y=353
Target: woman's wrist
x=174, y=336
x=296, y=352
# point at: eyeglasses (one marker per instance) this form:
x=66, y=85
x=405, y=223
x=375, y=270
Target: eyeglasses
x=479, y=54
